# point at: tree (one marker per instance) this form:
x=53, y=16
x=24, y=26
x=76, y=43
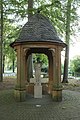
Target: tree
x=62, y=14
x=42, y=57
x=67, y=40
x=1, y=39
x=9, y=29
x=29, y=67
x=11, y=33
x=16, y=10
x=69, y=16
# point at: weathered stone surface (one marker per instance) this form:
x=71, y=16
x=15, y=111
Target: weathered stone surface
x=38, y=73
x=20, y=95
x=57, y=95
x=37, y=91
x=38, y=87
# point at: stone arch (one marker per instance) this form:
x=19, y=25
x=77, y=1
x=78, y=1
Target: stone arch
x=48, y=53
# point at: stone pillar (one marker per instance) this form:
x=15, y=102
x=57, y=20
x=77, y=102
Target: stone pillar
x=20, y=89
x=50, y=73
x=26, y=66
x=57, y=87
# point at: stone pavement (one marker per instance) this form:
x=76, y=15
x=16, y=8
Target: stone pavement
x=41, y=108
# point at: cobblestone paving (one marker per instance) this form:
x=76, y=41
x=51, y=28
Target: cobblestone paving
x=40, y=109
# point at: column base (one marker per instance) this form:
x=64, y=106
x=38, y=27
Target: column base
x=20, y=95
x=57, y=95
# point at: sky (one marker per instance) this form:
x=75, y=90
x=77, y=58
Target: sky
x=75, y=46
x=74, y=49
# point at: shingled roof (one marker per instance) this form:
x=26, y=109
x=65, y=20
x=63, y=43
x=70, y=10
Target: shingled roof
x=38, y=28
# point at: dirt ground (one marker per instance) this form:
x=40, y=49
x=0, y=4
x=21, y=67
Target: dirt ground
x=9, y=83
x=73, y=85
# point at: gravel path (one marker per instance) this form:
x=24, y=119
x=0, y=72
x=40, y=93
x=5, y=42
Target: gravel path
x=40, y=109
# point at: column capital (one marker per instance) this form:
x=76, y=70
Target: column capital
x=53, y=51
x=26, y=50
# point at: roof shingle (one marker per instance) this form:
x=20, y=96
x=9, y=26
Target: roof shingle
x=38, y=28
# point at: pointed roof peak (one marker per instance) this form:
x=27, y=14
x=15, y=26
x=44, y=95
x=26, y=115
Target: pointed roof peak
x=38, y=28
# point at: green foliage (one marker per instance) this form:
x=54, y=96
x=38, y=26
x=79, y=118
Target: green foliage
x=43, y=58
x=10, y=34
x=15, y=7
x=75, y=64
x=56, y=11
x=53, y=11
x=16, y=10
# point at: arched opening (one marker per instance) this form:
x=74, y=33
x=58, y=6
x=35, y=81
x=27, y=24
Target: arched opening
x=46, y=72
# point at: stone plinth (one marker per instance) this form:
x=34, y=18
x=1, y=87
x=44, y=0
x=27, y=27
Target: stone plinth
x=38, y=73
x=57, y=93
x=37, y=91
x=20, y=95
x=38, y=87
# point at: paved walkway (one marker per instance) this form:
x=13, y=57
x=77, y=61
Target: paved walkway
x=40, y=109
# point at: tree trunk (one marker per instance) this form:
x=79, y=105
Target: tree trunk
x=1, y=40
x=3, y=62
x=67, y=37
x=30, y=7
x=13, y=66
x=65, y=75
x=30, y=70
x=3, y=58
